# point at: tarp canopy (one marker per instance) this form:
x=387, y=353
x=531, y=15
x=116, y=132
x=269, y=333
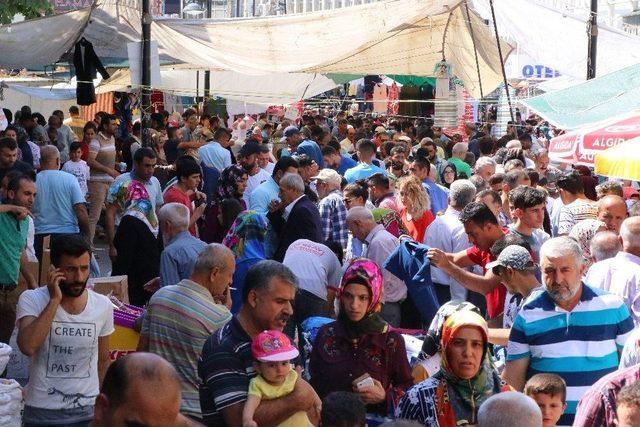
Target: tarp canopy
x=43, y=100
x=388, y=37
x=41, y=41
x=271, y=89
x=405, y=37
x=558, y=39
x=592, y=101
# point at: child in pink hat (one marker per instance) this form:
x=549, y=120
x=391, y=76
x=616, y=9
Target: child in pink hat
x=273, y=352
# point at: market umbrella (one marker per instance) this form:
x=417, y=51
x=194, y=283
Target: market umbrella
x=580, y=146
x=621, y=161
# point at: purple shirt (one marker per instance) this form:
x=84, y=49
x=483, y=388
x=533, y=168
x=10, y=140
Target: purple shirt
x=598, y=405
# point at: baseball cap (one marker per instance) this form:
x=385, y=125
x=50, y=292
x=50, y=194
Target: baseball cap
x=513, y=256
x=329, y=176
x=290, y=131
x=380, y=129
x=273, y=346
x=249, y=148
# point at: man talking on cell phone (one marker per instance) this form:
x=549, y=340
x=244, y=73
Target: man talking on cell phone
x=64, y=328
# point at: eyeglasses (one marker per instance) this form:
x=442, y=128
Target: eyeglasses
x=448, y=173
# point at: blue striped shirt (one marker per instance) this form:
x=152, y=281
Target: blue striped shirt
x=178, y=321
x=581, y=345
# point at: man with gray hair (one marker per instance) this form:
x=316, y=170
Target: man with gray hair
x=551, y=332
x=620, y=275
x=180, y=318
x=294, y=217
x=604, y=245
x=509, y=409
x=226, y=365
x=485, y=167
x=379, y=245
x=446, y=232
x=60, y=205
x=181, y=248
x=458, y=154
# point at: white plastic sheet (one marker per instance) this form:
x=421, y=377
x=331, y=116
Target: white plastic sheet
x=40, y=41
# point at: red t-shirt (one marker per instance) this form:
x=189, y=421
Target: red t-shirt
x=495, y=298
x=417, y=227
x=175, y=195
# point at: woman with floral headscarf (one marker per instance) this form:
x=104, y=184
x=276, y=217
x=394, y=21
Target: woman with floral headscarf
x=583, y=232
x=231, y=185
x=452, y=396
x=360, y=343
x=246, y=240
x=136, y=239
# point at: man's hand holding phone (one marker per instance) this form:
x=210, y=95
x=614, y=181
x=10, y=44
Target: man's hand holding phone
x=56, y=276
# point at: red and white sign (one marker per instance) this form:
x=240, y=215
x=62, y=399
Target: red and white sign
x=580, y=146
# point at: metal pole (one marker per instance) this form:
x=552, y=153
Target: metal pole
x=146, y=67
x=475, y=51
x=592, y=51
x=504, y=74
x=207, y=73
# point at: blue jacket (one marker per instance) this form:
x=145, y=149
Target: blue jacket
x=409, y=263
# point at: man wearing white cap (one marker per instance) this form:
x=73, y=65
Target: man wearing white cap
x=333, y=212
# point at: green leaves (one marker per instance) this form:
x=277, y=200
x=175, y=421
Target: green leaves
x=29, y=8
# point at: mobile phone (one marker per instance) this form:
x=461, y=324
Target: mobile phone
x=363, y=381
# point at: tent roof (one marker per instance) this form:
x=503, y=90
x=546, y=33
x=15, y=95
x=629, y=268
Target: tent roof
x=389, y=37
x=42, y=40
x=558, y=39
x=592, y=101
x=406, y=37
x=270, y=89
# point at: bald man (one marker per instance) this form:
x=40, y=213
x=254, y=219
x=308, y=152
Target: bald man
x=612, y=210
x=499, y=410
x=620, y=275
x=140, y=389
x=59, y=207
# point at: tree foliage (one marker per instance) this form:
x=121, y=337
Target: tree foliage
x=29, y=8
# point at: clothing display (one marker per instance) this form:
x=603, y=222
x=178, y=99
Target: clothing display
x=87, y=65
x=380, y=98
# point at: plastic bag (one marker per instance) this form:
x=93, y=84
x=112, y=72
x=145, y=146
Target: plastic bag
x=5, y=355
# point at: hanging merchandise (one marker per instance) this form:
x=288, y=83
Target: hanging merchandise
x=446, y=110
x=444, y=73
x=393, y=105
x=87, y=66
x=380, y=98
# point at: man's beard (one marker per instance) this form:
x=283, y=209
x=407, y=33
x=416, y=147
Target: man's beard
x=560, y=293
x=69, y=289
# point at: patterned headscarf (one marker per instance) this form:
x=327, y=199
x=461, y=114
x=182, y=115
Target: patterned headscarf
x=583, y=232
x=246, y=236
x=132, y=198
x=462, y=408
x=228, y=182
x=367, y=273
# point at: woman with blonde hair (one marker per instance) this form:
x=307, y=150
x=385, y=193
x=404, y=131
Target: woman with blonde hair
x=415, y=206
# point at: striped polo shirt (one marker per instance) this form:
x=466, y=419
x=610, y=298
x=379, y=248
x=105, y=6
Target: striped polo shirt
x=225, y=368
x=581, y=345
x=178, y=321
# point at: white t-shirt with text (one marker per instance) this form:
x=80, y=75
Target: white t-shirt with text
x=314, y=265
x=64, y=371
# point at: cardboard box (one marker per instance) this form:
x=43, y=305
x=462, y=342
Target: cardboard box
x=116, y=285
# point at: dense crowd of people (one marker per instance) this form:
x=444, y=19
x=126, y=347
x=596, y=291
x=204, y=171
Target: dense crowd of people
x=287, y=269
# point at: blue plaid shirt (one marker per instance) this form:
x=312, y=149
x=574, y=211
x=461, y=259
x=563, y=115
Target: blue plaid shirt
x=333, y=215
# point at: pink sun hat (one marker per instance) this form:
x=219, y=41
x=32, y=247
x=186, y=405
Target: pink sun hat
x=273, y=346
